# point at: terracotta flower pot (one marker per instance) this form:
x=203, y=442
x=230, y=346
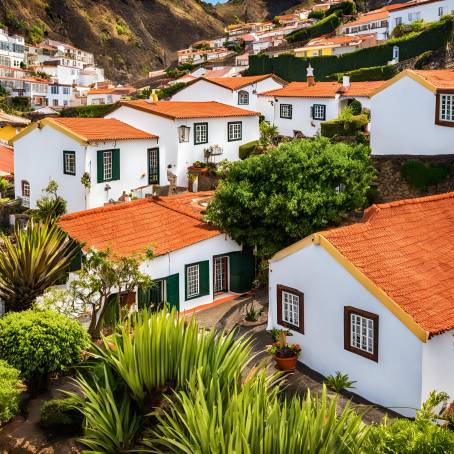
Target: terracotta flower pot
x=286, y=364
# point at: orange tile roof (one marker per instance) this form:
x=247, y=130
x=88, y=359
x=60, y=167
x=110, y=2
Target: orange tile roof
x=439, y=78
x=235, y=83
x=131, y=228
x=373, y=16
x=6, y=159
x=188, y=109
x=324, y=90
x=406, y=249
x=111, y=90
x=339, y=40
x=93, y=129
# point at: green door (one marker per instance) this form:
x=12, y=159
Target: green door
x=242, y=271
x=173, y=290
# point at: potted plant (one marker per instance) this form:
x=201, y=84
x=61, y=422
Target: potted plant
x=275, y=332
x=285, y=355
x=191, y=180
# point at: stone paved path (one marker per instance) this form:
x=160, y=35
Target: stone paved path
x=228, y=316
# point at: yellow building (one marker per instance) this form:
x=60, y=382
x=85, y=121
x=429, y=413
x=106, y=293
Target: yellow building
x=10, y=125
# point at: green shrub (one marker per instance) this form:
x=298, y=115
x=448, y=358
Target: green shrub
x=95, y=111
x=403, y=436
x=366, y=74
x=61, y=415
x=420, y=175
x=355, y=107
x=316, y=15
x=423, y=60
x=169, y=91
x=339, y=381
x=41, y=342
x=340, y=127
x=9, y=391
x=326, y=25
x=249, y=149
x=347, y=8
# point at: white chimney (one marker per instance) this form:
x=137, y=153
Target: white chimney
x=346, y=81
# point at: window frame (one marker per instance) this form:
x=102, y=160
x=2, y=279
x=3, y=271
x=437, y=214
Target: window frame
x=189, y=295
x=290, y=106
x=348, y=312
x=104, y=153
x=243, y=93
x=233, y=123
x=438, y=107
x=67, y=153
x=24, y=184
x=153, y=152
x=319, y=118
x=196, y=142
x=280, y=290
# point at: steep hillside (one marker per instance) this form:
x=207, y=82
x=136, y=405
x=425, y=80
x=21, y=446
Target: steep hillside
x=128, y=37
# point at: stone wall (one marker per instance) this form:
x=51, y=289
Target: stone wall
x=391, y=185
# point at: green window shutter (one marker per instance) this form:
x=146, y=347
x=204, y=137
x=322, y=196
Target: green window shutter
x=173, y=290
x=116, y=164
x=241, y=271
x=100, y=166
x=204, y=276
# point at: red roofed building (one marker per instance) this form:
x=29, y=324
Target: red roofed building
x=111, y=157
x=194, y=264
x=6, y=160
x=108, y=95
x=375, y=300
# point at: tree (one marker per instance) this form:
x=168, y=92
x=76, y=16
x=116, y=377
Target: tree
x=271, y=200
x=103, y=276
x=36, y=259
x=50, y=206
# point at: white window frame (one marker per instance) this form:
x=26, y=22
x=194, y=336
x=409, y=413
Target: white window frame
x=290, y=308
x=70, y=163
x=200, y=133
x=446, y=112
x=286, y=111
x=319, y=112
x=243, y=98
x=362, y=333
x=107, y=161
x=234, y=131
x=193, y=281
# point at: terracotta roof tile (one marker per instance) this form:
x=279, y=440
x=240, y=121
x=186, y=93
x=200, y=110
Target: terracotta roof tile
x=111, y=90
x=324, y=90
x=234, y=83
x=6, y=159
x=373, y=16
x=165, y=224
x=188, y=109
x=406, y=249
x=93, y=129
x=439, y=78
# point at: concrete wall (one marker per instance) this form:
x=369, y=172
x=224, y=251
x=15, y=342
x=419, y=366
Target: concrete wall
x=393, y=381
x=175, y=262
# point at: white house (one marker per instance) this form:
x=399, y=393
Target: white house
x=187, y=129
x=300, y=107
x=413, y=114
x=115, y=157
x=12, y=49
x=194, y=264
x=375, y=22
x=59, y=95
x=428, y=11
x=234, y=91
x=107, y=95
x=375, y=300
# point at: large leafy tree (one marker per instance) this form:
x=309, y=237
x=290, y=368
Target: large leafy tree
x=34, y=260
x=272, y=200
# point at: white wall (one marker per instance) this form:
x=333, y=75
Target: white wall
x=38, y=158
x=403, y=122
x=174, y=262
x=438, y=365
x=393, y=381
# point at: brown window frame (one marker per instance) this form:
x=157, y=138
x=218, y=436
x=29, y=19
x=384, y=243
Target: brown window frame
x=438, y=120
x=280, y=321
x=348, y=311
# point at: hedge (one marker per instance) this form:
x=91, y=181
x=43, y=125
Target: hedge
x=339, y=127
x=365, y=74
x=249, y=149
x=420, y=175
x=293, y=68
x=61, y=416
x=9, y=391
x=94, y=111
x=326, y=25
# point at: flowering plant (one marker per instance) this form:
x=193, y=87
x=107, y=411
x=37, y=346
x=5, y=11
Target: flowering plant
x=285, y=351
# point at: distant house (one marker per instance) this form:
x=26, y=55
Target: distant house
x=335, y=45
x=300, y=107
x=195, y=265
x=375, y=300
x=188, y=129
x=196, y=56
x=107, y=95
x=115, y=157
x=423, y=101
x=375, y=22
x=10, y=125
x=59, y=95
x=235, y=91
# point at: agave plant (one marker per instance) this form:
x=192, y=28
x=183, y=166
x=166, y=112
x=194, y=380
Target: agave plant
x=339, y=381
x=37, y=258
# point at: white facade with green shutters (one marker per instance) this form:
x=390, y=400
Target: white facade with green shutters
x=114, y=167
x=195, y=275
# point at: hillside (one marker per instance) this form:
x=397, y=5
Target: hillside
x=129, y=37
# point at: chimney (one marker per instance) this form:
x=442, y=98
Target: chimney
x=310, y=76
x=346, y=81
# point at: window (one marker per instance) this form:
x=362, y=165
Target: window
x=153, y=166
x=290, y=308
x=107, y=165
x=55, y=102
x=398, y=21
x=66, y=90
x=286, y=111
x=54, y=89
x=361, y=332
x=243, y=98
x=25, y=188
x=440, y=11
x=444, y=109
x=200, y=133
x=192, y=281
x=235, y=131
x=69, y=162
x=414, y=16
x=319, y=112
